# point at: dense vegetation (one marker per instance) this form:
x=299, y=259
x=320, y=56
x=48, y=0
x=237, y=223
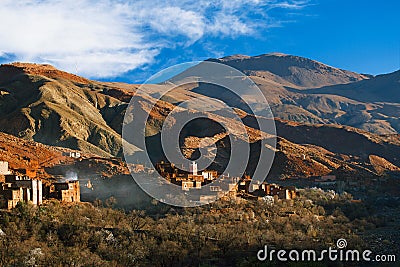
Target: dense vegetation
x=226, y=233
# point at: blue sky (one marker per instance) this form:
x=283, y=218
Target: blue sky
x=129, y=41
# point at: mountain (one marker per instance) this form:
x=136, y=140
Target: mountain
x=307, y=91
x=41, y=103
x=301, y=150
x=382, y=88
x=315, y=123
x=291, y=70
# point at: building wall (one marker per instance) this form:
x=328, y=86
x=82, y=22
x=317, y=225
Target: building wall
x=193, y=168
x=10, y=197
x=3, y=168
x=20, y=188
x=34, y=192
x=209, y=175
x=70, y=192
x=197, y=185
x=17, y=196
x=198, y=178
x=40, y=192
x=186, y=185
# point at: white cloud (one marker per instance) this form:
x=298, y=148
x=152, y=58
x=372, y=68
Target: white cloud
x=229, y=25
x=174, y=21
x=106, y=38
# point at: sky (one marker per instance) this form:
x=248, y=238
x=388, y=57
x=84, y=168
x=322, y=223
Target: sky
x=115, y=40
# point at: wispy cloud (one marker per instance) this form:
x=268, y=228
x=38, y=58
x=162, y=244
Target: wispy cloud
x=106, y=38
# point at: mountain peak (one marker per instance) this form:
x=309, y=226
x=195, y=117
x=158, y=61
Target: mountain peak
x=277, y=54
x=299, y=71
x=11, y=69
x=234, y=57
x=31, y=66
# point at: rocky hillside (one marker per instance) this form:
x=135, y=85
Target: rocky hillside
x=382, y=88
x=302, y=149
x=20, y=153
x=40, y=103
x=291, y=70
x=303, y=90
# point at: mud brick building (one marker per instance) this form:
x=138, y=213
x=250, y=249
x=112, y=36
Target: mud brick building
x=17, y=188
x=66, y=191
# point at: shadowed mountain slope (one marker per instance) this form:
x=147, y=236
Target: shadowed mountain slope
x=41, y=103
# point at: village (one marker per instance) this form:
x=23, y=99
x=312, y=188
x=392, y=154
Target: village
x=23, y=185
x=26, y=185
x=280, y=188
x=236, y=186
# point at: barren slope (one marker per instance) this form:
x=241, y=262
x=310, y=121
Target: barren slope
x=40, y=103
x=298, y=71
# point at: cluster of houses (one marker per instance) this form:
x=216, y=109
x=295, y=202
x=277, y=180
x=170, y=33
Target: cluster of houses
x=266, y=189
x=236, y=185
x=187, y=180
x=23, y=185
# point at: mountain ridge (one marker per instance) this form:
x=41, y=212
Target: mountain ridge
x=41, y=103
x=299, y=71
